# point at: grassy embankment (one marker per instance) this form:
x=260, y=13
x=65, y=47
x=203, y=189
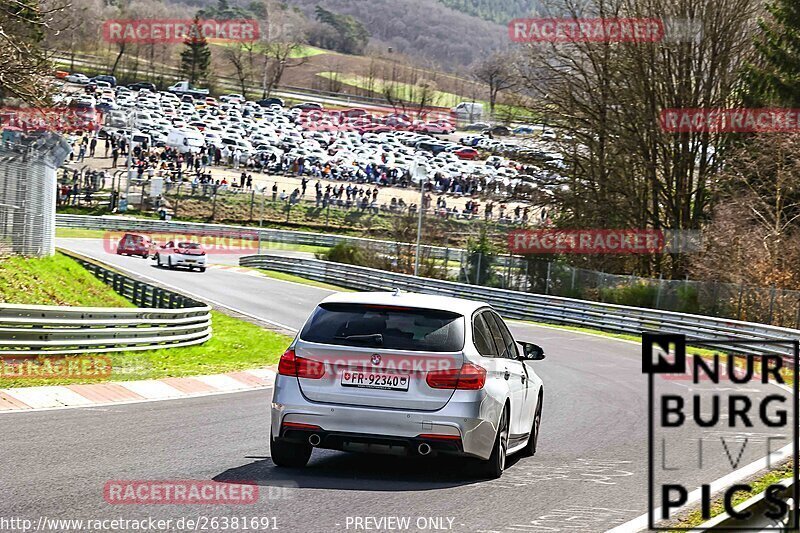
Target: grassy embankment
x=235, y=344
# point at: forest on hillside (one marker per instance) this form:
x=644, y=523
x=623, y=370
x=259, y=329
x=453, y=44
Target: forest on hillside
x=424, y=30
x=499, y=11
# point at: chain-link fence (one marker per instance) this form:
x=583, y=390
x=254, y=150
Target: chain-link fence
x=28, y=192
x=766, y=305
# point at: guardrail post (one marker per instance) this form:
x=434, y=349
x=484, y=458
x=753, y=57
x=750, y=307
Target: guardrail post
x=771, y=303
x=547, y=281
x=739, y=305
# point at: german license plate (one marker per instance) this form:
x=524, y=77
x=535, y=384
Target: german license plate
x=375, y=380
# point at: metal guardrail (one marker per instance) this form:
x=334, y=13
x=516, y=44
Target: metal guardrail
x=117, y=223
x=756, y=506
x=171, y=320
x=541, y=308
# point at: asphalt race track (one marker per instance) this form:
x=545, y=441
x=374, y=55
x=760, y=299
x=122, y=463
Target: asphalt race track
x=590, y=473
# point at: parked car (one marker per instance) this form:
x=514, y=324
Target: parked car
x=110, y=80
x=477, y=126
x=184, y=254
x=77, y=77
x=498, y=130
x=305, y=106
x=468, y=111
x=143, y=85
x=135, y=244
x=267, y=102
x=403, y=372
x=466, y=153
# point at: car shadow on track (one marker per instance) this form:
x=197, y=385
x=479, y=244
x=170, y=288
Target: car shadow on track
x=352, y=471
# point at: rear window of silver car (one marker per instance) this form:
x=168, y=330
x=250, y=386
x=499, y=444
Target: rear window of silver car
x=388, y=327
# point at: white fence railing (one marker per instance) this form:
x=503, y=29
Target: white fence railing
x=59, y=330
x=117, y=223
x=543, y=308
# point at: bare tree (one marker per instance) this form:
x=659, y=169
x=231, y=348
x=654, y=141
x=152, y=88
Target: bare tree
x=282, y=45
x=621, y=168
x=498, y=73
x=24, y=66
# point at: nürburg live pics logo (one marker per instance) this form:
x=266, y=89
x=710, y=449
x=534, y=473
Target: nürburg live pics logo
x=719, y=418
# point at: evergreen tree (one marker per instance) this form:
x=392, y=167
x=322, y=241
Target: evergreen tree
x=196, y=57
x=352, y=35
x=774, y=79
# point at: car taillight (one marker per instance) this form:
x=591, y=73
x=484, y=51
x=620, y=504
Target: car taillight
x=468, y=377
x=291, y=365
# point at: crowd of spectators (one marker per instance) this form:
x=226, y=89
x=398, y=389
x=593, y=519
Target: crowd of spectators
x=349, y=185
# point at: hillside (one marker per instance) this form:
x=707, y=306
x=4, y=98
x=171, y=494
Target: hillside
x=425, y=30
x=498, y=11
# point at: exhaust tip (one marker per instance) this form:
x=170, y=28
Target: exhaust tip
x=314, y=440
x=424, y=448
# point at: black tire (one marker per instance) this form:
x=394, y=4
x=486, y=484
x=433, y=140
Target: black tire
x=202, y=269
x=289, y=454
x=494, y=466
x=530, y=448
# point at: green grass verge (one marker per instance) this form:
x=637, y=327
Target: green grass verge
x=411, y=93
x=304, y=281
x=80, y=233
x=58, y=280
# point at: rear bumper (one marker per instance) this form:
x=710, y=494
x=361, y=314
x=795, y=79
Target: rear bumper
x=465, y=426
x=368, y=443
x=189, y=260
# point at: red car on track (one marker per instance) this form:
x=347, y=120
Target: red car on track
x=135, y=244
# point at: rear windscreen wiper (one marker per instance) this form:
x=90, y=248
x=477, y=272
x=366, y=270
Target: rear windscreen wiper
x=377, y=338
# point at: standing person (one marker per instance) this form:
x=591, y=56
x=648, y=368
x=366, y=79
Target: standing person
x=303, y=184
x=274, y=191
x=114, y=157
x=108, y=145
x=92, y=146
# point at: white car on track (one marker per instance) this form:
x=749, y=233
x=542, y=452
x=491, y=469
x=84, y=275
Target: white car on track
x=181, y=254
x=404, y=373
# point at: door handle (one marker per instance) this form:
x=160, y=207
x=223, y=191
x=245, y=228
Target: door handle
x=507, y=375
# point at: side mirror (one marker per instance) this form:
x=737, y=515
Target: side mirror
x=531, y=352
